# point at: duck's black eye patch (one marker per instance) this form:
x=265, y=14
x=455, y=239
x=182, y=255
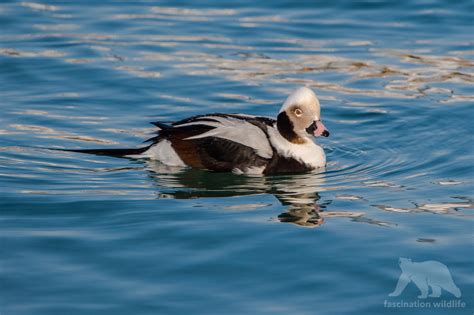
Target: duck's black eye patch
x=285, y=126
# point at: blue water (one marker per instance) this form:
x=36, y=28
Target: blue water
x=84, y=234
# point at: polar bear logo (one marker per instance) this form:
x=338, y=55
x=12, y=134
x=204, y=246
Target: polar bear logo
x=425, y=274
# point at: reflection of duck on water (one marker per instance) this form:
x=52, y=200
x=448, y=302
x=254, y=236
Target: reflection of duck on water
x=297, y=192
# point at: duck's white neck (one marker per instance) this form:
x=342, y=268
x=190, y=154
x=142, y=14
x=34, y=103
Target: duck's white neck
x=309, y=152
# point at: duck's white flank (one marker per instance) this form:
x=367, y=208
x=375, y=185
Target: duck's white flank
x=163, y=152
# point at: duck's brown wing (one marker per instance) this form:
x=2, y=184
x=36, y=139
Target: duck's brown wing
x=220, y=142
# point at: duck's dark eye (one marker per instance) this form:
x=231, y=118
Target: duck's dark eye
x=298, y=112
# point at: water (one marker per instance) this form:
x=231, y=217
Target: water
x=97, y=235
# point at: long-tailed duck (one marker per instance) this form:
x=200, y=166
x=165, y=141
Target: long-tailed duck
x=240, y=143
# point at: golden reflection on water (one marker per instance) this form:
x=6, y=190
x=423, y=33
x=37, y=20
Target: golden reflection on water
x=39, y=6
x=51, y=133
x=444, y=208
x=30, y=54
x=400, y=79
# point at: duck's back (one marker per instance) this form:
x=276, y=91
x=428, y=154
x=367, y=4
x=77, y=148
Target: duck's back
x=217, y=142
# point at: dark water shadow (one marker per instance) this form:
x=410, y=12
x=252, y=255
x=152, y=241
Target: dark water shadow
x=298, y=193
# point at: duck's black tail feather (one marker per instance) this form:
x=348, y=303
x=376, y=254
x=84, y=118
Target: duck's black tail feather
x=108, y=152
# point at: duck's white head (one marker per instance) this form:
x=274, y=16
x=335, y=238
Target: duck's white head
x=300, y=117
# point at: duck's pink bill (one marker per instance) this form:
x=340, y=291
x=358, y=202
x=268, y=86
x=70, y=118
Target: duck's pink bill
x=320, y=129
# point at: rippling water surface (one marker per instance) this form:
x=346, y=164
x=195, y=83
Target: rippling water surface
x=97, y=235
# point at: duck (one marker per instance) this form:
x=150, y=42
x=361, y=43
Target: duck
x=239, y=143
